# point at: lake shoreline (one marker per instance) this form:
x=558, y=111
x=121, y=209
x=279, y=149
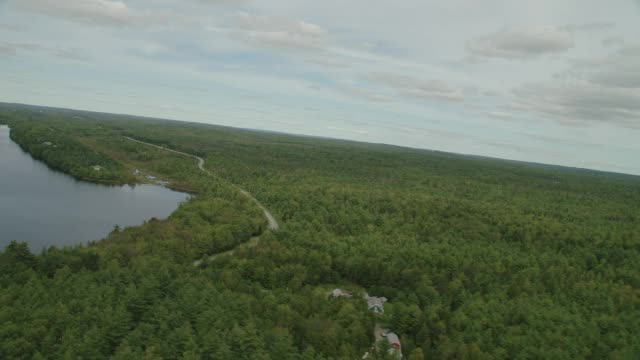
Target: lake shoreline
x=45, y=207
x=114, y=183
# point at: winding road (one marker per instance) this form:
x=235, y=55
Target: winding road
x=273, y=226
x=272, y=223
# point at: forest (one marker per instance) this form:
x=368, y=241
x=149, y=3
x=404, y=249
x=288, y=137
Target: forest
x=478, y=258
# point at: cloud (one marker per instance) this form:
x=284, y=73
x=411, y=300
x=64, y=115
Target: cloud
x=490, y=93
x=508, y=145
x=62, y=52
x=151, y=49
x=618, y=77
x=605, y=90
x=348, y=130
x=574, y=103
x=501, y=115
x=70, y=54
x=6, y=50
x=13, y=49
x=328, y=62
x=613, y=41
x=522, y=43
x=24, y=46
x=100, y=12
x=105, y=12
x=8, y=27
x=278, y=32
x=589, y=26
x=254, y=22
x=407, y=86
x=367, y=95
x=223, y=2
x=621, y=70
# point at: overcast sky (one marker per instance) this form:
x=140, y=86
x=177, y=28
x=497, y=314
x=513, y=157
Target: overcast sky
x=551, y=81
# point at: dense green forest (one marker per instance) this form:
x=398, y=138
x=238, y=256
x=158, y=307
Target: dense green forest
x=479, y=258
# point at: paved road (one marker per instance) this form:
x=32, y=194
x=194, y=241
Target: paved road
x=272, y=223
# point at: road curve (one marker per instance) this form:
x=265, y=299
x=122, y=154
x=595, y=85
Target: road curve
x=272, y=223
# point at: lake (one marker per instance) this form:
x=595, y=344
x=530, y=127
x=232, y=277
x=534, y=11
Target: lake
x=44, y=207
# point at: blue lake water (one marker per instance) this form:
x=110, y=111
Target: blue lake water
x=44, y=207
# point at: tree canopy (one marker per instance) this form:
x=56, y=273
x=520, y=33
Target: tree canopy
x=479, y=258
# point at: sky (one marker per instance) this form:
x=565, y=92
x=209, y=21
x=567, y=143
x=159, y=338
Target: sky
x=549, y=81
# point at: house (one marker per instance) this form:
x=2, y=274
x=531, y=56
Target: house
x=376, y=304
x=395, y=349
x=336, y=293
x=394, y=341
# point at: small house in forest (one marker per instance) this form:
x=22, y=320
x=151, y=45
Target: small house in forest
x=376, y=304
x=394, y=341
x=395, y=349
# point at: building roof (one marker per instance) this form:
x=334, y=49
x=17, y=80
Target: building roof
x=392, y=338
x=373, y=301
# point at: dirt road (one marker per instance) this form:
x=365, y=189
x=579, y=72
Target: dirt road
x=272, y=223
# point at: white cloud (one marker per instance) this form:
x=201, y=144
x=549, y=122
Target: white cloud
x=501, y=115
x=328, y=62
x=280, y=39
x=105, y=12
x=278, y=32
x=253, y=22
x=590, y=26
x=407, y=86
x=522, y=43
x=102, y=12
